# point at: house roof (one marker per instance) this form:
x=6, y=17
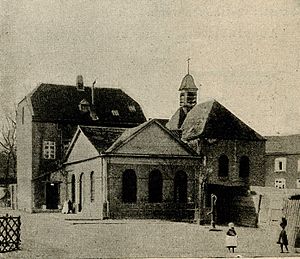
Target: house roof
x=283, y=144
x=101, y=137
x=130, y=133
x=176, y=120
x=212, y=120
x=188, y=83
x=51, y=102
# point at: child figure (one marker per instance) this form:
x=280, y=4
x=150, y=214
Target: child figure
x=231, y=238
x=283, y=240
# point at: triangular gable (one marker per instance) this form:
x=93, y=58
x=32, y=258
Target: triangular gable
x=80, y=148
x=150, y=138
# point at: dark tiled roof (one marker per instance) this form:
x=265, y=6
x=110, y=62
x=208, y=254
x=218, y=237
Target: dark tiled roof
x=176, y=120
x=61, y=103
x=101, y=137
x=212, y=120
x=283, y=144
x=188, y=83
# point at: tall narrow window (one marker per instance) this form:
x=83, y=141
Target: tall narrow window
x=244, y=167
x=223, y=166
x=280, y=164
x=73, y=186
x=49, y=149
x=92, y=182
x=81, y=197
x=155, y=186
x=180, y=187
x=129, y=187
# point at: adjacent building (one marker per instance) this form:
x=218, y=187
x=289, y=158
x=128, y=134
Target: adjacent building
x=47, y=119
x=283, y=162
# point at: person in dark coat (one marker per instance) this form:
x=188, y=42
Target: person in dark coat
x=283, y=240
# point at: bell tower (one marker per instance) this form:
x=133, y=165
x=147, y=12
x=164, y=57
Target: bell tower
x=188, y=91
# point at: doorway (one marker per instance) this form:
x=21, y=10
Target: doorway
x=52, y=195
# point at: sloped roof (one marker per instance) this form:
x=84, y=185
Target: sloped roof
x=51, y=102
x=130, y=133
x=188, y=83
x=212, y=120
x=176, y=120
x=283, y=144
x=101, y=137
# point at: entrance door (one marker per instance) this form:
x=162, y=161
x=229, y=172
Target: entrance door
x=52, y=195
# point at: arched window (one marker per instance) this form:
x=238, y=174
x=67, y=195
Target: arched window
x=92, y=182
x=244, y=167
x=73, y=190
x=180, y=187
x=155, y=186
x=81, y=181
x=129, y=186
x=223, y=166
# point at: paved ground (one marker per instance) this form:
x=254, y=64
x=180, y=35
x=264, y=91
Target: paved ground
x=51, y=236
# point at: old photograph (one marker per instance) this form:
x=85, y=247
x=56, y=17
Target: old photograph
x=149, y=129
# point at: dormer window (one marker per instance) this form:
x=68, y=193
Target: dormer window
x=115, y=112
x=132, y=108
x=84, y=106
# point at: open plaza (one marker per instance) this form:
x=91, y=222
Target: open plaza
x=57, y=235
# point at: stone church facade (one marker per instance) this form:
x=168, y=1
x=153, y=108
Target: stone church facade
x=143, y=172
x=233, y=153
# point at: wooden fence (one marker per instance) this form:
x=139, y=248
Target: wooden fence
x=10, y=234
x=291, y=211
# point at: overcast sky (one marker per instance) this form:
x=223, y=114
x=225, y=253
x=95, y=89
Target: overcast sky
x=245, y=54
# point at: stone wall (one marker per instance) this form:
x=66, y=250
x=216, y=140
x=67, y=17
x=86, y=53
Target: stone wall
x=234, y=150
x=142, y=208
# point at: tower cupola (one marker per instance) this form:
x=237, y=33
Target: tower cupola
x=188, y=91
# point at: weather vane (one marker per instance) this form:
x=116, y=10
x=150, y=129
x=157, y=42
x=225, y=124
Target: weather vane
x=188, y=65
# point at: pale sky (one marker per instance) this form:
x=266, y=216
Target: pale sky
x=245, y=54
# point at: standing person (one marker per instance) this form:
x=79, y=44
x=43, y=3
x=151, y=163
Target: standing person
x=231, y=238
x=283, y=240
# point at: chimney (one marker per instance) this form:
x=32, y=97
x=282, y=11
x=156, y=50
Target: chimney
x=93, y=93
x=79, y=83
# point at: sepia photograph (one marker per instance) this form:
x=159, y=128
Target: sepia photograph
x=149, y=129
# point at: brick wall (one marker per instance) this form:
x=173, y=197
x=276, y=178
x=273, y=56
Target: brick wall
x=142, y=208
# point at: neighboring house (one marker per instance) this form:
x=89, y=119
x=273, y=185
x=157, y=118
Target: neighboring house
x=47, y=119
x=142, y=172
x=283, y=162
x=233, y=153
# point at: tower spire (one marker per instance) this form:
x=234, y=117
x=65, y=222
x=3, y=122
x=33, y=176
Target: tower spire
x=188, y=65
